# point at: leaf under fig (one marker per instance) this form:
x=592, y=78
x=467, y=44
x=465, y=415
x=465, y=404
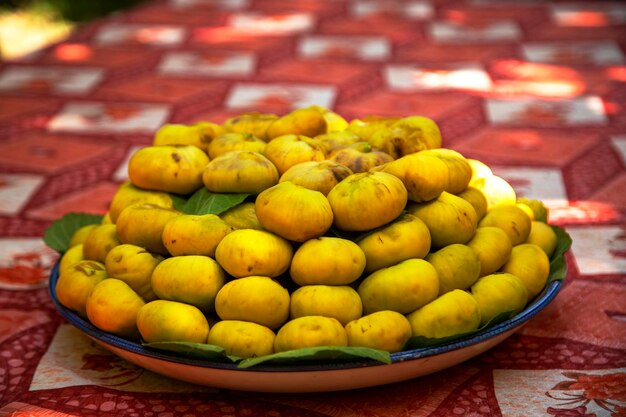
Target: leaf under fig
x=319, y=353
x=204, y=201
x=194, y=350
x=58, y=235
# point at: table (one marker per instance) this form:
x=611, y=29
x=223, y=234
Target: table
x=535, y=89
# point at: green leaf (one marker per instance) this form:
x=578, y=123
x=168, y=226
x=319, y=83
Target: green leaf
x=194, y=350
x=320, y=353
x=57, y=236
x=204, y=201
x=558, y=266
x=178, y=201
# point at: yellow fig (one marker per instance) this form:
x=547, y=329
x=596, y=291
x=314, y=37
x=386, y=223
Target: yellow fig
x=360, y=158
x=493, y=248
x=338, y=139
x=190, y=234
x=257, y=299
x=113, y=306
x=288, y=150
x=453, y=313
x=459, y=169
x=511, y=219
x=497, y=294
x=308, y=121
x=477, y=199
x=243, y=339
x=294, y=212
x=199, y=134
x=340, y=302
x=404, y=238
x=81, y=234
x=403, y=287
x=253, y=123
x=239, y=172
x=191, y=279
x=449, y=218
x=367, y=126
x=540, y=211
x=385, y=330
x=424, y=176
x=320, y=176
x=127, y=195
x=542, y=235
x=142, y=225
x=76, y=282
x=310, y=331
x=406, y=136
x=100, y=241
x=457, y=265
x=328, y=261
x=367, y=200
x=235, y=142
x=496, y=190
x=71, y=256
x=530, y=264
x=174, y=169
x=133, y=265
x=334, y=121
x=171, y=321
x=246, y=252
x=479, y=169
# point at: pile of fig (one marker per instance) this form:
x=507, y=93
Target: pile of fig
x=271, y=233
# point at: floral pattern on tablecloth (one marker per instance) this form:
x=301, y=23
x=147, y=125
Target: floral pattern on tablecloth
x=535, y=89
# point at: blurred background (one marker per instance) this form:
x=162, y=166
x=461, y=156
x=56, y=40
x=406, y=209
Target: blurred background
x=28, y=25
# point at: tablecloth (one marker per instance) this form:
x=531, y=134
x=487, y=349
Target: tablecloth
x=535, y=89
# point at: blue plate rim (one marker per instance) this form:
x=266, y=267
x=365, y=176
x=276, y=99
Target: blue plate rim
x=537, y=305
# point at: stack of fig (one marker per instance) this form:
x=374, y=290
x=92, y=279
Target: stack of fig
x=334, y=233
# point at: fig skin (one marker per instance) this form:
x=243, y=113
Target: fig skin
x=257, y=299
x=172, y=321
x=294, y=212
x=310, y=331
x=142, y=225
x=424, y=176
x=288, y=150
x=173, y=169
x=404, y=238
x=243, y=339
x=320, y=176
x=360, y=157
x=457, y=265
x=308, y=121
x=367, y=200
x=239, y=172
x=327, y=261
x=190, y=234
x=449, y=218
x=454, y=313
x=403, y=287
x=253, y=123
x=199, y=134
x=235, y=142
x=385, y=330
x=493, y=248
x=246, y=252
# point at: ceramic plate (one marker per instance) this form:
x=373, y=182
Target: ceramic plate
x=332, y=376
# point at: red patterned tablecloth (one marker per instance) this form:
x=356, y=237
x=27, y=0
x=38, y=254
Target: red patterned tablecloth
x=535, y=89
